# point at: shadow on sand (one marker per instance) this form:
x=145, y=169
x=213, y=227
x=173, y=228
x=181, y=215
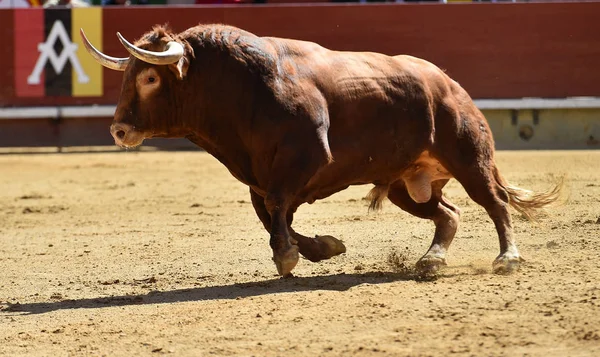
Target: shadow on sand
x=337, y=282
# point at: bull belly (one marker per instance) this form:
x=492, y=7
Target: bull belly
x=417, y=177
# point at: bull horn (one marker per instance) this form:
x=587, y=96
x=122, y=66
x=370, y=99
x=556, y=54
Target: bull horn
x=171, y=54
x=118, y=64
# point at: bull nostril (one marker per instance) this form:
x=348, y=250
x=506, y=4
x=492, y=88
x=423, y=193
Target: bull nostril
x=120, y=134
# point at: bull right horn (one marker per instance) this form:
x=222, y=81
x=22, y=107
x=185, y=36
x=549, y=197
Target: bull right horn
x=118, y=64
x=173, y=52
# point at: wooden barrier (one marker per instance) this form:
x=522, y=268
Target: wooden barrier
x=547, y=50
x=496, y=51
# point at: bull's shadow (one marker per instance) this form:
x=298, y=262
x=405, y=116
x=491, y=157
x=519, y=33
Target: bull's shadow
x=337, y=282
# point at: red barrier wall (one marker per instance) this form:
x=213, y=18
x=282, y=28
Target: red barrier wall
x=6, y=58
x=494, y=50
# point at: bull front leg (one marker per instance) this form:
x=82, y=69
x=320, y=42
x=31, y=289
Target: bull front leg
x=318, y=248
x=313, y=249
x=299, y=155
x=285, y=248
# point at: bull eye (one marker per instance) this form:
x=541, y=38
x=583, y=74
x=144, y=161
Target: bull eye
x=147, y=83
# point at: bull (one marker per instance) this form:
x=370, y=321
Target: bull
x=297, y=122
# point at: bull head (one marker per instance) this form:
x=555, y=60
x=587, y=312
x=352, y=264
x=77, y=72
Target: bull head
x=144, y=87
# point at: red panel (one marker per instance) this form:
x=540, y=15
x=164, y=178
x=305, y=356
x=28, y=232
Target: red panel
x=29, y=32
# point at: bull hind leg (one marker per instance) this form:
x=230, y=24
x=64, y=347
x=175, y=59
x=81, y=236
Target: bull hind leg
x=483, y=184
x=481, y=179
x=437, y=208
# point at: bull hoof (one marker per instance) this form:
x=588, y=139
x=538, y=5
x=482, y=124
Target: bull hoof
x=331, y=246
x=430, y=265
x=286, y=261
x=506, y=265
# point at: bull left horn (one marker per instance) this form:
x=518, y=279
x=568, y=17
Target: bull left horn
x=118, y=64
x=171, y=54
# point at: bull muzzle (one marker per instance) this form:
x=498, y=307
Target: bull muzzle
x=126, y=136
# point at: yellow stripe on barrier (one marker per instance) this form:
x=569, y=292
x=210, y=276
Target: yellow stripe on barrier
x=90, y=19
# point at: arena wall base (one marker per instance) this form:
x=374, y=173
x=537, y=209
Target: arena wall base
x=530, y=129
x=517, y=124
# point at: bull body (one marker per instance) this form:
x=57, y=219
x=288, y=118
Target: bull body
x=297, y=122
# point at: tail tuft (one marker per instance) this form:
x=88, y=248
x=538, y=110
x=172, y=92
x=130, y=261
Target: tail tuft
x=376, y=196
x=531, y=204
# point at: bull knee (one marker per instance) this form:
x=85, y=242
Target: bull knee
x=447, y=218
x=275, y=204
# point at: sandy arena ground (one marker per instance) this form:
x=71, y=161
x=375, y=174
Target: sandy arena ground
x=160, y=253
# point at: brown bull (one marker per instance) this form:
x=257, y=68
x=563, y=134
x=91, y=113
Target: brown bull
x=297, y=122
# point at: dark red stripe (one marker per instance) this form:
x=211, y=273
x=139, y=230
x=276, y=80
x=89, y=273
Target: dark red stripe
x=7, y=76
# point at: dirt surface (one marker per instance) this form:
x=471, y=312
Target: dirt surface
x=160, y=253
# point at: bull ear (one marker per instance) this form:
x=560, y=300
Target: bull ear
x=180, y=67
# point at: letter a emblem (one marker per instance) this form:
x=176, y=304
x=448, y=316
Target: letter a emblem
x=47, y=53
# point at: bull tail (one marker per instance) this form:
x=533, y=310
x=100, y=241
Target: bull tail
x=528, y=203
x=376, y=196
